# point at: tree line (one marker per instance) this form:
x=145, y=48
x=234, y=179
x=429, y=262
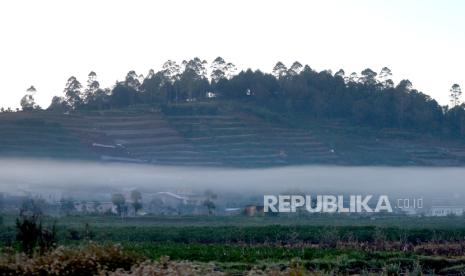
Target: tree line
x=368, y=98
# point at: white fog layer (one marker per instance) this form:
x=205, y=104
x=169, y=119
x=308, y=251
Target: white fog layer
x=76, y=177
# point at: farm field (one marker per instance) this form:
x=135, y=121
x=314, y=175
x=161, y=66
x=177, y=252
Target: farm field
x=241, y=245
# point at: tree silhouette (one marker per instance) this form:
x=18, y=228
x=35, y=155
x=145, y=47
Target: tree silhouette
x=279, y=70
x=136, y=198
x=385, y=78
x=340, y=73
x=455, y=94
x=209, y=203
x=27, y=101
x=92, y=86
x=73, y=92
x=132, y=80
x=353, y=78
x=369, y=77
x=120, y=202
x=295, y=69
x=218, y=69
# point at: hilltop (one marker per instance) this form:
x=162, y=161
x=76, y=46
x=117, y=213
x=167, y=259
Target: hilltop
x=216, y=134
x=181, y=115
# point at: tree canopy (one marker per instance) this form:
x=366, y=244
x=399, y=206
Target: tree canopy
x=368, y=98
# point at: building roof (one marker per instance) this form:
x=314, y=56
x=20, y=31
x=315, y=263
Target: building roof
x=173, y=195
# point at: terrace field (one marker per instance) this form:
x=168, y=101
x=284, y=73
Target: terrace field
x=216, y=134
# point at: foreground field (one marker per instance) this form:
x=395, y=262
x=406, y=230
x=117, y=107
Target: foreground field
x=94, y=259
x=241, y=246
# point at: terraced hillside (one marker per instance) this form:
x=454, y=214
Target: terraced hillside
x=364, y=146
x=143, y=137
x=151, y=137
x=243, y=140
x=24, y=135
x=220, y=138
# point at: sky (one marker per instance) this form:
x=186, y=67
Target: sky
x=43, y=43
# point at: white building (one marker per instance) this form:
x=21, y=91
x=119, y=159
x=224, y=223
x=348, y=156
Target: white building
x=95, y=207
x=447, y=206
x=442, y=211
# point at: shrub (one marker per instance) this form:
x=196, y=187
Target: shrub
x=28, y=230
x=30, y=233
x=166, y=267
x=74, y=235
x=91, y=259
x=47, y=239
x=392, y=269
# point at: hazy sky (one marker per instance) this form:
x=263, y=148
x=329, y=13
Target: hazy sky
x=44, y=42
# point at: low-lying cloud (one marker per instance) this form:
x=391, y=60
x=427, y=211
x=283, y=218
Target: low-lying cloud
x=76, y=177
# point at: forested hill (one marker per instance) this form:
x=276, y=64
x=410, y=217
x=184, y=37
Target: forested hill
x=366, y=99
x=199, y=114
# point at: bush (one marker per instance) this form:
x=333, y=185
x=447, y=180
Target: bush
x=28, y=230
x=30, y=233
x=91, y=259
x=166, y=267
